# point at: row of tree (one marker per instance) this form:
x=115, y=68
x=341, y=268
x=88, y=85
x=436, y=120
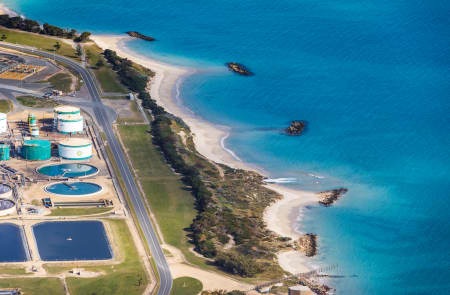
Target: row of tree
x=212, y=222
x=29, y=25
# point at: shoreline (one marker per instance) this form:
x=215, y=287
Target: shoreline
x=5, y=10
x=209, y=140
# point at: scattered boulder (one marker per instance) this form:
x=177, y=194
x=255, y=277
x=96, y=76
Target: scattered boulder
x=238, y=68
x=296, y=127
x=307, y=244
x=140, y=36
x=327, y=198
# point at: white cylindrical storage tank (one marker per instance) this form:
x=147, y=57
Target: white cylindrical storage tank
x=64, y=110
x=5, y=191
x=34, y=131
x=75, y=148
x=3, y=123
x=70, y=124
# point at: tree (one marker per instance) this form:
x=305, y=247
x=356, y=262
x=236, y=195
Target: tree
x=79, y=50
x=4, y=37
x=83, y=37
x=57, y=46
x=100, y=63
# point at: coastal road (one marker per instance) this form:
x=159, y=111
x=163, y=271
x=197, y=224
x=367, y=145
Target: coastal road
x=105, y=121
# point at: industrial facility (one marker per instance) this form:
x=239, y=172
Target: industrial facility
x=75, y=148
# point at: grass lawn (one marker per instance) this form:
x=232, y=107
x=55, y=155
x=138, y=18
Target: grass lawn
x=186, y=286
x=5, y=106
x=12, y=271
x=129, y=277
x=78, y=211
x=35, y=102
x=61, y=81
x=39, y=41
x=108, y=79
x=170, y=202
x=35, y=286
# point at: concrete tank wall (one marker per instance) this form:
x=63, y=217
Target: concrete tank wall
x=3, y=123
x=5, y=191
x=70, y=126
x=75, y=152
x=7, y=207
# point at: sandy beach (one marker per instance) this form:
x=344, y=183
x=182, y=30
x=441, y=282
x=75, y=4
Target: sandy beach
x=210, y=142
x=6, y=10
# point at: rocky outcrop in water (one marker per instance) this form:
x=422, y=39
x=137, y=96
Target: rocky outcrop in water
x=296, y=128
x=140, y=36
x=307, y=244
x=238, y=68
x=327, y=198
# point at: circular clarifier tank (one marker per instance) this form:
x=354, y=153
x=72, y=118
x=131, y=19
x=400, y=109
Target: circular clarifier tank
x=7, y=207
x=74, y=189
x=68, y=170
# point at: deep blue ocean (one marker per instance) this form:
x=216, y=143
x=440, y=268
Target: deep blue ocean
x=372, y=78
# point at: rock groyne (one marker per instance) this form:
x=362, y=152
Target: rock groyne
x=140, y=36
x=328, y=198
x=307, y=244
x=239, y=68
x=296, y=127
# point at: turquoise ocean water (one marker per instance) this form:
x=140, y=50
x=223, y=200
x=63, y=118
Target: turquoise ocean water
x=372, y=80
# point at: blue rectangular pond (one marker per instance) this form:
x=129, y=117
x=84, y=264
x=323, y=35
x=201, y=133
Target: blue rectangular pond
x=12, y=248
x=72, y=240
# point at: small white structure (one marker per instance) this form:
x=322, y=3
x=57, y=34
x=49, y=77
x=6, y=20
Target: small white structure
x=3, y=123
x=5, y=191
x=75, y=148
x=69, y=124
x=35, y=131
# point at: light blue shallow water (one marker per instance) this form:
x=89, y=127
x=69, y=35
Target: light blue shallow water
x=68, y=170
x=73, y=188
x=370, y=77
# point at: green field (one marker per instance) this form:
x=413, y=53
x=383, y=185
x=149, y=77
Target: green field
x=128, y=277
x=38, y=41
x=186, y=286
x=169, y=200
x=108, y=79
x=35, y=102
x=5, y=106
x=61, y=81
x=12, y=271
x=35, y=286
x=77, y=211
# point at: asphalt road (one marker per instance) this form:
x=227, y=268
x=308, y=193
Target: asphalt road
x=105, y=122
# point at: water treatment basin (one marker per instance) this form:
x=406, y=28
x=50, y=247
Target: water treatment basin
x=68, y=170
x=74, y=189
x=72, y=240
x=12, y=248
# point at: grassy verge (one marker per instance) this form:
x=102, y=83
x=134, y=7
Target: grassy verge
x=34, y=286
x=38, y=41
x=186, y=286
x=128, y=277
x=77, y=211
x=12, y=271
x=171, y=203
x=5, y=106
x=108, y=79
x=61, y=81
x=35, y=102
